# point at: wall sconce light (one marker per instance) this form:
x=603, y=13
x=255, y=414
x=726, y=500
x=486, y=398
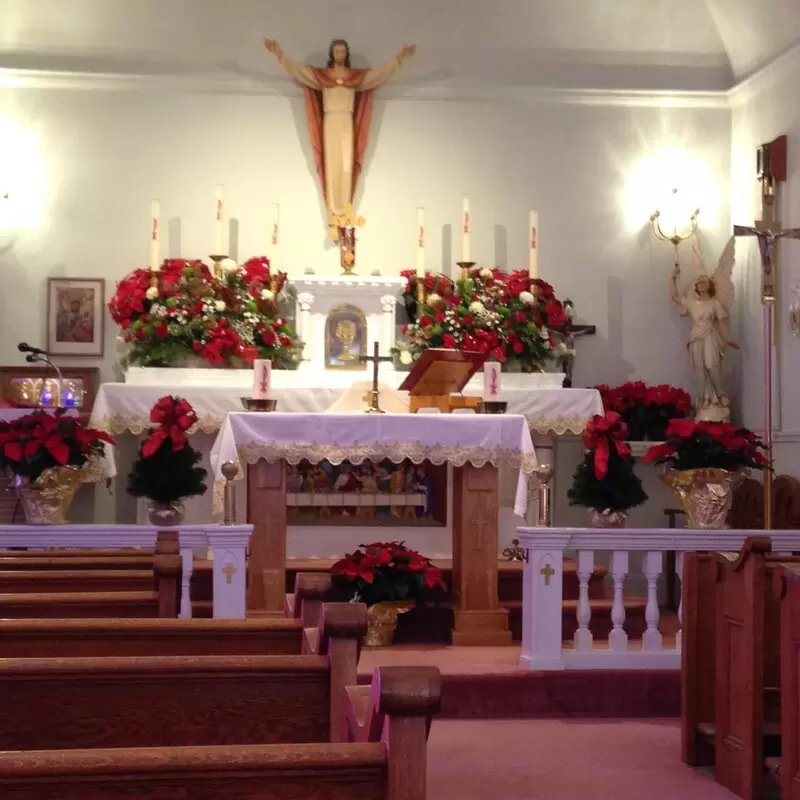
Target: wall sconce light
x=678, y=235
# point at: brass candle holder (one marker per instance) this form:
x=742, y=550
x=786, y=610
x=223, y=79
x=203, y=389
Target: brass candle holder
x=466, y=266
x=218, y=273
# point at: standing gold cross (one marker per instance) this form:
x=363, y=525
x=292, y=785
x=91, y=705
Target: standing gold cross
x=229, y=571
x=548, y=573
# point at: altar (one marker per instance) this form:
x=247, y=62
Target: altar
x=473, y=447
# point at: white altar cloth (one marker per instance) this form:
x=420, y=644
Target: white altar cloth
x=125, y=408
x=478, y=439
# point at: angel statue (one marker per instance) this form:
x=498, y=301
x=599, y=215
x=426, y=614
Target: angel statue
x=708, y=301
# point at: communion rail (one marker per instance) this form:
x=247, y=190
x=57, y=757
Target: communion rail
x=543, y=554
x=227, y=543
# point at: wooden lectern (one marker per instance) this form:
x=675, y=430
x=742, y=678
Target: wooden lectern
x=438, y=375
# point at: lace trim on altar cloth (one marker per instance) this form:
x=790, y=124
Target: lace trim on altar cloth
x=396, y=452
x=119, y=424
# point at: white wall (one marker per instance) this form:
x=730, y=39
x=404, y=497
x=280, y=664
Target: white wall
x=764, y=109
x=102, y=155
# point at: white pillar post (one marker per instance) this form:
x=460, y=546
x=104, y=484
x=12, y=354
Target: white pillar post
x=229, y=546
x=305, y=300
x=653, y=565
x=187, y=566
x=542, y=593
x=388, y=307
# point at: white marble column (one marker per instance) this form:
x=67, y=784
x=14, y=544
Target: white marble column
x=388, y=307
x=304, y=302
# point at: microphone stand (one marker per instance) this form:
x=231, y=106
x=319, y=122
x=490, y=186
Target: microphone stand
x=44, y=358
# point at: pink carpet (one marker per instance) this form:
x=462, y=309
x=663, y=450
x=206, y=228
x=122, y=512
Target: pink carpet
x=562, y=760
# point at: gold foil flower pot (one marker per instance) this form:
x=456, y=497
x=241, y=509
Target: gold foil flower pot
x=382, y=621
x=46, y=501
x=606, y=518
x=705, y=494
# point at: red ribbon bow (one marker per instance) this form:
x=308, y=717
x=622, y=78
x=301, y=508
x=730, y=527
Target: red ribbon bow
x=603, y=433
x=174, y=417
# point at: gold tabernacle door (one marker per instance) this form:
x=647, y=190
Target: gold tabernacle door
x=438, y=375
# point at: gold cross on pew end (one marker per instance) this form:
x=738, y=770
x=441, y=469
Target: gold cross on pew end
x=374, y=402
x=548, y=572
x=229, y=571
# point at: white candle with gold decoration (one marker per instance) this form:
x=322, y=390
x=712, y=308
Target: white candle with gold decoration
x=533, y=245
x=466, y=227
x=155, y=235
x=262, y=374
x=219, y=223
x=276, y=237
x=421, y=242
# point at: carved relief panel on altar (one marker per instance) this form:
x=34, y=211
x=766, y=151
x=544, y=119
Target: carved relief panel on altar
x=367, y=494
x=345, y=338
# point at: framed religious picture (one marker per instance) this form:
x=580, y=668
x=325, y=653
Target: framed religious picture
x=345, y=338
x=75, y=316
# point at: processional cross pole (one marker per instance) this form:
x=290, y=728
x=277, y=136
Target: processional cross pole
x=375, y=358
x=768, y=230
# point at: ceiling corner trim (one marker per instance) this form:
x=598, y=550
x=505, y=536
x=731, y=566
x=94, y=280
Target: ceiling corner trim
x=762, y=79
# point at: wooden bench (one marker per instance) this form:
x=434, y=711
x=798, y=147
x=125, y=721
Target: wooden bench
x=100, y=638
x=173, y=701
x=82, y=584
x=384, y=758
x=747, y=686
x=730, y=664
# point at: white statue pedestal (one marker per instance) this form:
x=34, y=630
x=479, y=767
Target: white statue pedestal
x=374, y=296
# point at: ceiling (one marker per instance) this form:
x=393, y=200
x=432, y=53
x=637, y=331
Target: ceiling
x=679, y=45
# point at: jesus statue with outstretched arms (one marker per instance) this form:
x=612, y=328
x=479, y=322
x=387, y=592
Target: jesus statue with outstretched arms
x=339, y=107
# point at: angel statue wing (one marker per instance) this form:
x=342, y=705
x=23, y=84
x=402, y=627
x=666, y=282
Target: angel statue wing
x=723, y=275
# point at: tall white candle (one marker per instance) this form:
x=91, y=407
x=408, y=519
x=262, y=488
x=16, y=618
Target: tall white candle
x=533, y=245
x=155, y=235
x=466, y=227
x=219, y=223
x=276, y=237
x=262, y=374
x=421, y=242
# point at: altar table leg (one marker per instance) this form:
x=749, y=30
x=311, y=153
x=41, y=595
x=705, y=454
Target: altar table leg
x=266, y=510
x=478, y=619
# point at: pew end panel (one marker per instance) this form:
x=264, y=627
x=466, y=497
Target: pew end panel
x=786, y=582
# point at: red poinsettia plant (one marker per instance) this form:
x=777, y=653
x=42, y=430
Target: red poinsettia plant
x=646, y=410
x=708, y=445
x=41, y=441
x=183, y=310
x=506, y=315
x=384, y=571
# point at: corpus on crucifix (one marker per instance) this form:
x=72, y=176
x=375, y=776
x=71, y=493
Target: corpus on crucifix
x=374, y=394
x=339, y=108
x=768, y=230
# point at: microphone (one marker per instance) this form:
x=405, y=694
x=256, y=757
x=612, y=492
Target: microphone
x=24, y=347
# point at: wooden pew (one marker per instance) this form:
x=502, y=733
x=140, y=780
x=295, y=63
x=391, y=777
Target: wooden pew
x=786, y=582
x=84, y=703
x=699, y=590
x=384, y=758
x=747, y=719
x=72, y=584
x=100, y=638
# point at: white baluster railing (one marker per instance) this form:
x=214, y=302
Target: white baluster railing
x=228, y=545
x=542, y=645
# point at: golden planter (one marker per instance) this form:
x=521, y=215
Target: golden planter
x=382, y=621
x=706, y=495
x=606, y=518
x=46, y=501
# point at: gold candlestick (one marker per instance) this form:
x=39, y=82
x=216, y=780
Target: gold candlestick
x=218, y=274
x=466, y=266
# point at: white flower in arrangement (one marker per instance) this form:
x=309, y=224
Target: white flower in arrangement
x=266, y=294
x=476, y=307
x=228, y=264
x=544, y=333
x=219, y=305
x=569, y=309
x=434, y=300
x=152, y=293
x=405, y=357
x=157, y=310
x=486, y=273
x=527, y=298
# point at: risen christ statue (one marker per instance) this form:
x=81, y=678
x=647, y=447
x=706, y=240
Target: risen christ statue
x=339, y=108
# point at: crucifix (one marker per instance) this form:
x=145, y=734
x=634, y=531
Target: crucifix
x=572, y=332
x=375, y=358
x=768, y=230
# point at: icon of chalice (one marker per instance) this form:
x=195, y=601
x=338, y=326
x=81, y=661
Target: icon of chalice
x=345, y=333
